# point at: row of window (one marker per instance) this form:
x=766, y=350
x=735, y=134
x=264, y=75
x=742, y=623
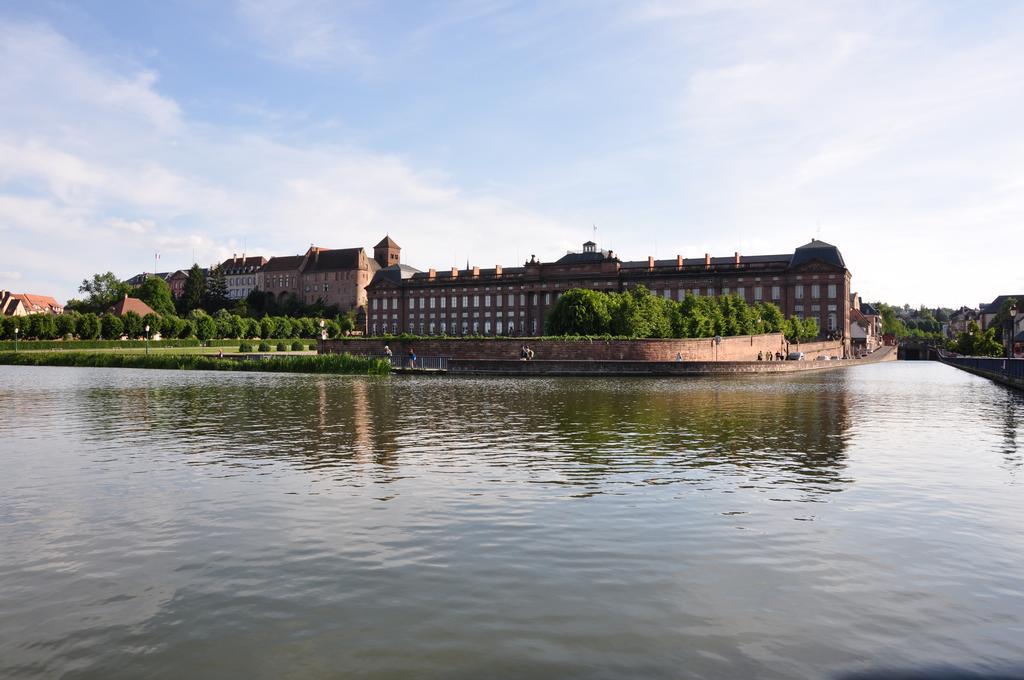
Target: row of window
x=798, y=291
x=442, y=328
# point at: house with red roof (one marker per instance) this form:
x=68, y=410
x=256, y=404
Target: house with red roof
x=22, y=304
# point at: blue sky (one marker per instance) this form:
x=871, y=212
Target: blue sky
x=487, y=131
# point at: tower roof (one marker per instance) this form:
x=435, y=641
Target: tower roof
x=826, y=252
x=387, y=242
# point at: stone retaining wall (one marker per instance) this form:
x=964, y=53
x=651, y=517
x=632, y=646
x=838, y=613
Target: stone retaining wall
x=737, y=348
x=645, y=368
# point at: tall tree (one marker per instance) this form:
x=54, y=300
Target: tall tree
x=216, y=290
x=195, y=289
x=101, y=291
x=155, y=292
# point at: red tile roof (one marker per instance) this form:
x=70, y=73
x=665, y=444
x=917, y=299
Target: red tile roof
x=130, y=304
x=34, y=304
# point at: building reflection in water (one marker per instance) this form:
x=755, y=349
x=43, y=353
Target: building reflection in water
x=575, y=432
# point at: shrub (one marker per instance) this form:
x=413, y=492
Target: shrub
x=264, y=346
x=245, y=347
x=282, y=347
x=312, y=346
x=298, y=346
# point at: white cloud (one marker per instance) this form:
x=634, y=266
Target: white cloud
x=308, y=33
x=102, y=198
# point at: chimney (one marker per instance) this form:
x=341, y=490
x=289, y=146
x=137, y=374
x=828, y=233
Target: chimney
x=455, y=272
x=234, y=258
x=432, y=274
x=737, y=257
x=679, y=261
x=707, y=260
x=650, y=262
x=476, y=272
x=497, y=271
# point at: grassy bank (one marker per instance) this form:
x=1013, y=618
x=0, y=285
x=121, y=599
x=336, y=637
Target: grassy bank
x=327, y=363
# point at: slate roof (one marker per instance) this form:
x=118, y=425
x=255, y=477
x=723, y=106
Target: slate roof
x=826, y=252
x=583, y=258
x=243, y=265
x=396, y=273
x=994, y=306
x=868, y=309
x=283, y=263
x=330, y=260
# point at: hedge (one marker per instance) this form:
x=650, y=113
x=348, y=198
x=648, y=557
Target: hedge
x=318, y=363
x=115, y=344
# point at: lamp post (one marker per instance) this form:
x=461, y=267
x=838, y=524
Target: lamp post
x=1009, y=336
x=16, y=331
x=147, y=338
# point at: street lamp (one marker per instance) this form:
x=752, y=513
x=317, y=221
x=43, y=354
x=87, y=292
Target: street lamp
x=16, y=331
x=1011, y=321
x=147, y=338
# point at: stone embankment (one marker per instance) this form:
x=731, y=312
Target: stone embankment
x=601, y=367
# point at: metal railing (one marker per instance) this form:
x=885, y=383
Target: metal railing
x=1008, y=368
x=421, y=362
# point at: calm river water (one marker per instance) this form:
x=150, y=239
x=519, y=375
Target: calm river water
x=194, y=525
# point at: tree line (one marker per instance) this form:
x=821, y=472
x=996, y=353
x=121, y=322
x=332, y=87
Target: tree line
x=203, y=291
x=638, y=313
x=198, y=324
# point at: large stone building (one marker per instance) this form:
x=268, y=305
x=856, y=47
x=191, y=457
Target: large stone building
x=812, y=281
x=332, y=276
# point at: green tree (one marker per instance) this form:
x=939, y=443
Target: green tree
x=195, y=290
x=155, y=323
x=186, y=328
x=640, y=314
x=205, y=326
x=111, y=327
x=771, y=317
x=155, y=292
x=132, y=323
x=268, y=327
x=346, y=323
x=579, y=312
x=101, y=291
x=88, y=326
x=228, y=324
x=987, y=344
x=66, y=324
x=216, y=297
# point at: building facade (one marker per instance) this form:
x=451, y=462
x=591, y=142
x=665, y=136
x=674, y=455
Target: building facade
x=812, y=281
x=332, y=276
x=241, y=274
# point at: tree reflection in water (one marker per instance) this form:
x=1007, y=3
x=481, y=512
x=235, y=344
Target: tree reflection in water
x=790, y=432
